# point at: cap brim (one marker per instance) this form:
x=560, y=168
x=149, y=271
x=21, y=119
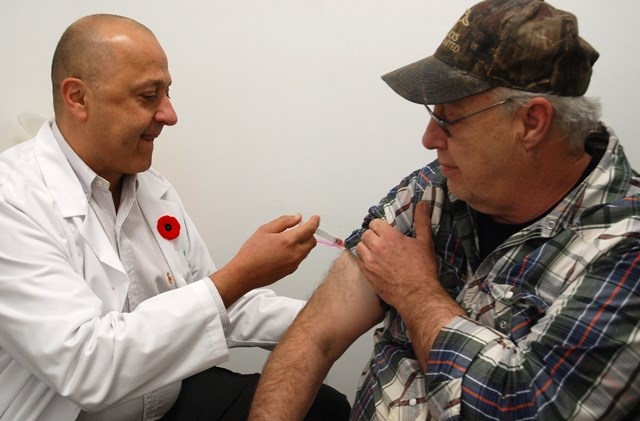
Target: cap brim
x=431, y=81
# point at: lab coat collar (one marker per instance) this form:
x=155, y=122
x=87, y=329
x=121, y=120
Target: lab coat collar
x=58, y=174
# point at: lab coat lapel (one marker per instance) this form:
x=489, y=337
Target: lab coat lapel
x=97, y=239
x=112, y=270
x=72, y=202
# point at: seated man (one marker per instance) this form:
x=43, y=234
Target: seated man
x=506, y=272
x=110, y=305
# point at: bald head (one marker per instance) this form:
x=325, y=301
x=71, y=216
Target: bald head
x=85, y=50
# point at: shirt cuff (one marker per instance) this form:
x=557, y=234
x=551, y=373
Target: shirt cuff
x=455, y=348
x=222, y=310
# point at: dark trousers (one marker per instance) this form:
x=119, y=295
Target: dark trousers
x=220, y=394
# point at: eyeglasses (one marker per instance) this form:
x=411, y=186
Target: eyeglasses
x=444, y=123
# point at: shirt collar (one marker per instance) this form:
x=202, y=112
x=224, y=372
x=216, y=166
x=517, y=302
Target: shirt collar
x=87, y=177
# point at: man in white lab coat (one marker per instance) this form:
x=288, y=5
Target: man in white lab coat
x=109, y=299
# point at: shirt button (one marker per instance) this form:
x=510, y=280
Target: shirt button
x=503, y=324
x=551, y=225
x=413, y=402
x=508, y=295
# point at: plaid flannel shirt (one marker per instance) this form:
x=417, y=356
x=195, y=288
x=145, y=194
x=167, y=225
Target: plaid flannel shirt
x=552, y=326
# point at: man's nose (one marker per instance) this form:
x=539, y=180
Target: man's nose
x=166, y=113
x=434, y=137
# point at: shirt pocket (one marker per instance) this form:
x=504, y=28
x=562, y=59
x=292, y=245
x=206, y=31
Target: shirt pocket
x=516, y=311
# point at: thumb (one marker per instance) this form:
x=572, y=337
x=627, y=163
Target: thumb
x=422, y=221
x=306, y=229
x=312, y=224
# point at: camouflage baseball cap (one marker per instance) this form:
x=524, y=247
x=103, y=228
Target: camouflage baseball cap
x=521, y=44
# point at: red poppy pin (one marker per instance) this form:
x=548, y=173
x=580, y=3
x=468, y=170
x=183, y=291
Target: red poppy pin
x=168, y=227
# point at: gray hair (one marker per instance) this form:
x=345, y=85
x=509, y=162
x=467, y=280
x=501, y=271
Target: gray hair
x=576, y=117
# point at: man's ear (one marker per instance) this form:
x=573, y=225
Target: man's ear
x=537, y=118
x=74, y=91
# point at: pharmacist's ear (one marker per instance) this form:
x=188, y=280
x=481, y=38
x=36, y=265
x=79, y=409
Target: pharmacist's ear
x=74, y=94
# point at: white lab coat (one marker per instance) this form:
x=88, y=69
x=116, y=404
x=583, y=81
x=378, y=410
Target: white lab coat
x=64, y=343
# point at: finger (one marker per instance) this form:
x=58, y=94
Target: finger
x=367, y=237
x=308, y=245
x=312, y=224
x=364, y=259
x=307, y=229
x=378, y=226
x=303, y=233
x=361, y=252
x=282, y=223
x=422, y=221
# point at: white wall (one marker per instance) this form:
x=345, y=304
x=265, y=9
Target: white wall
x=282, y=109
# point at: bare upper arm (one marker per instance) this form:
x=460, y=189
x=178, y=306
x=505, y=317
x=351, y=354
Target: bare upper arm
x=342, y=308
